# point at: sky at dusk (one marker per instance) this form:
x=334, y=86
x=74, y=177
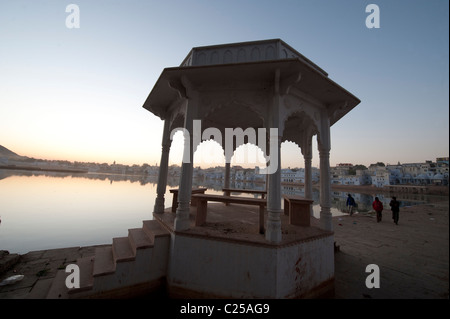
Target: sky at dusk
x=77, y=93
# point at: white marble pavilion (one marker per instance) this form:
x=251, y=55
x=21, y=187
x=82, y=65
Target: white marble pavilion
x=260, y=84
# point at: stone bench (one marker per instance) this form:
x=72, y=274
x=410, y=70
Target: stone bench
x=298, y=208
x=203, y=199
x=228, y=191
x=175, y=197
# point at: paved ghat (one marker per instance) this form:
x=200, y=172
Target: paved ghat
x=413, y=257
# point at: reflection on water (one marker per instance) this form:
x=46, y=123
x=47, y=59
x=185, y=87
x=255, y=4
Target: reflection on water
x=44, y=210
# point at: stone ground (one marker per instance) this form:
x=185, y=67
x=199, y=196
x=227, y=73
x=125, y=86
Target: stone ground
x=413, y=257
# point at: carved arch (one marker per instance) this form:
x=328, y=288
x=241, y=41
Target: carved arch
x=299, y=128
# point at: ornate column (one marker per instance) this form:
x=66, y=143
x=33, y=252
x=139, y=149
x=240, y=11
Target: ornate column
x=325, y=182
x=273, y=231
x=185, y=187
x=307, y=155
x=163, y=169
x=227, y=173
x=308, y=177
x=227, y=179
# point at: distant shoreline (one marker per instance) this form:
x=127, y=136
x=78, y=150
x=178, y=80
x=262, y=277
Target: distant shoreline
x=40, y=169
x=366, y=189
x=410, y=189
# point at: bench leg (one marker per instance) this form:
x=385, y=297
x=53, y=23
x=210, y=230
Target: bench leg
x=194, y=200
x=286, y=207
x=261, y=219
x=202, y=206
x=226, y=193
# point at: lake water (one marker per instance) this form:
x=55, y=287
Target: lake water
x=53, y=210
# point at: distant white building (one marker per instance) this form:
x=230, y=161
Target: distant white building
x=214, y=173
x=258, y=177
x=428, y=173
x=395, y=174
x=358, y=179
x=340, y=175
x=381, y=178
x=292, y=175
x=297, y=175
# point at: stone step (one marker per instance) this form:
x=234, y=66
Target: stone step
x=139, y=239
x=104, y=262
x=122, y=250
x=41, y=288
x=58, y=289
x=154, y=229
x=86, y=265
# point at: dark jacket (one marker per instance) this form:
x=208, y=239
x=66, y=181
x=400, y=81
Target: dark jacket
x=395, y=206
x=350, y=201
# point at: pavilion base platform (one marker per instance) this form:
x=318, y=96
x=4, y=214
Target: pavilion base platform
x=227, y=257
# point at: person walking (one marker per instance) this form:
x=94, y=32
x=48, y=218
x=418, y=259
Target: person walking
x=395, y=207
x=350, y=204
x=378, y=207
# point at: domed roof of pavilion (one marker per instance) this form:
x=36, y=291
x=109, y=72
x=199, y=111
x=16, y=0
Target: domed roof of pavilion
x=251, y=67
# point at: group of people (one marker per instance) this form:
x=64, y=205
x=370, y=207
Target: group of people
x=377, y=206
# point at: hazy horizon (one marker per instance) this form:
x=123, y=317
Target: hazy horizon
x=212, y=166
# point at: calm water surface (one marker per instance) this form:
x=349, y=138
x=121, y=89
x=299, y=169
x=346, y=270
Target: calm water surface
x=45, y=211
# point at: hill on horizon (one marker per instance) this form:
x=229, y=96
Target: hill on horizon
x=6, y=153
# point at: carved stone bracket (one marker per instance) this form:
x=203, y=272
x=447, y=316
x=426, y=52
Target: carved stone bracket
x=287, y=83
x=338, y=110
